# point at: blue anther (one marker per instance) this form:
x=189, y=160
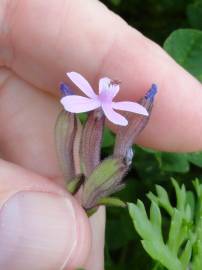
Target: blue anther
x=65, y=90
x=152, y=92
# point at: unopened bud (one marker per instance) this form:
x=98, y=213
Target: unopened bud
x=126, y=136
x=105, y=180
x=92, y=140
x=67, y=137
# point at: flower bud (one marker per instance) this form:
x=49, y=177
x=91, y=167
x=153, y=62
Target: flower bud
x=126, y=136
x=67, y=137
x=92, y=140
x=105, y=180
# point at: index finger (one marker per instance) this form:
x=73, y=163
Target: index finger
x=43, y=40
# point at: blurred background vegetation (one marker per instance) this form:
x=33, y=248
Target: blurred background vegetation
x=158, y=20
x=154, y=18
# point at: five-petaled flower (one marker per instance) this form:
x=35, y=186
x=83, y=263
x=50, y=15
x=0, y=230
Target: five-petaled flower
x=108, y=89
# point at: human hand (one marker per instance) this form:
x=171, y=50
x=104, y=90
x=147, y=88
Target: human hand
x=41, y=226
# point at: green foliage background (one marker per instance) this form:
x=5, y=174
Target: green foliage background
x=176, y=25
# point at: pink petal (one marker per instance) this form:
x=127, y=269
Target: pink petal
x=130, y=106
x=104, y=84
x=78, y=104
x=114, y=89
x=113, y=116
x=82, y=83
x=107, y=90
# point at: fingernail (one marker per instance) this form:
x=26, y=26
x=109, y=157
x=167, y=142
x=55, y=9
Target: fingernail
x=37, y=231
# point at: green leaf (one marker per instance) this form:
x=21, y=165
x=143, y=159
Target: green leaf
x=198, y=187
x=175, y=227
x=183, y=234
x=195, y=158
x=111, y=201
x=108, y=138
x=155, y=217
x=140, y=220
x=147, y=166
x=186, y=255
x=162, y=199
x=148, y=150
x=185, y=46
x=180, y=194
x=116, y=2
x=174, y=162
x=162, y=254
x=194, y=14
x=83, y=117
x=197, y=248
x=119, y=228
x=190, y=198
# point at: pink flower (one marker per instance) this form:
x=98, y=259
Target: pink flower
x=108, y=89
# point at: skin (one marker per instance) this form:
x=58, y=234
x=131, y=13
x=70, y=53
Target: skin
x=42, y=40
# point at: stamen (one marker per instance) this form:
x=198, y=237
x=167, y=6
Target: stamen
x=152, y=92
x=65, y=90
x=114, y=82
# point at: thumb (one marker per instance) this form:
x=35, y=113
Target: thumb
x=41, y=226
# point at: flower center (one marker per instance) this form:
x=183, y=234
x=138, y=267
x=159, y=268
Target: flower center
x=105, y=96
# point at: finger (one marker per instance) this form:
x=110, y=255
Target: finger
x=97, y=43
x=41, y=227
x=96, y=259
x=27, y=138
x=27, y=118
